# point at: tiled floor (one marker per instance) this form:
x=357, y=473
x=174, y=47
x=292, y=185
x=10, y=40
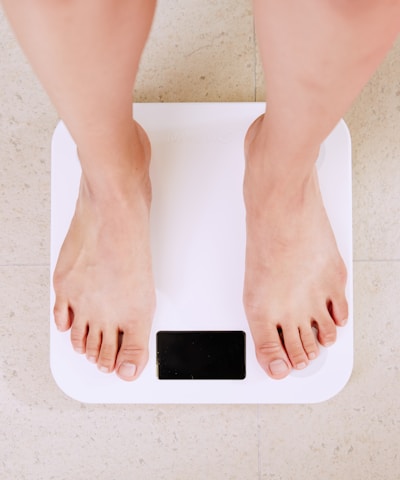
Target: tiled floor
x=45, y=435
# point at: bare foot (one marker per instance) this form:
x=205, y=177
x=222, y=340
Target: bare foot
x=103, y=278
x=295, y=277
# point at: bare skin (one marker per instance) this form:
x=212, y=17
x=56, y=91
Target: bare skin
x=86, y=55
x=103, y=278
x=295, y=277
x=317, y=55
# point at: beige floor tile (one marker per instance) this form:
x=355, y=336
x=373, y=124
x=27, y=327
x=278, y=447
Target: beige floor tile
x=354, y=435
x=199, y=51
x=46, y=435
x=260, y=80
x=25, y=197
x=26, y=123
x=204, y=51
x=374, y=124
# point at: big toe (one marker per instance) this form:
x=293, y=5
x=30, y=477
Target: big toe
x=132, y=357
x=270, y=352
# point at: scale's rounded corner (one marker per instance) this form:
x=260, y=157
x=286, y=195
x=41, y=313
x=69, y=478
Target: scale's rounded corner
x=60, y=385
x=338, y=386
x=58, y=381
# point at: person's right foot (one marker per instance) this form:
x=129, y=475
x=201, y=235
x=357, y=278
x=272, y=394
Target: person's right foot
x=103, y=279
x=295, y=277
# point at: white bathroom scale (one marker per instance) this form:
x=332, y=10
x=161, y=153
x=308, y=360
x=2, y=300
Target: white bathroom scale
x=201, y=349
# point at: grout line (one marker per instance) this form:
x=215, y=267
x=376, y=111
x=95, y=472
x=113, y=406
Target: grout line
x=258, y=443
x=5, y=265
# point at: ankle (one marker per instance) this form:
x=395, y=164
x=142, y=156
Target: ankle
x=108, y=194
x=116, y=168
x=276, y=168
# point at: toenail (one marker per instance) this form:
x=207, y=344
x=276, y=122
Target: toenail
x=278, y=366
x=104, y=369
x=92, y=359
x=301, y=365
x=79, y=350
x=328, y=344
x=127, y=369
x=312, y=356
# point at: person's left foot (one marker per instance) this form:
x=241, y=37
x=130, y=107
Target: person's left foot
x=295, y=277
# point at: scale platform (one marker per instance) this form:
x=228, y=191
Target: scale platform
x=198, y=244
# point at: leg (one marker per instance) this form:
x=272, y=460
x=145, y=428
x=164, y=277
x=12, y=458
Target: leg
x=86, y=54
x=317, y=55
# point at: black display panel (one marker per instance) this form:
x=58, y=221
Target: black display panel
x=201, y=355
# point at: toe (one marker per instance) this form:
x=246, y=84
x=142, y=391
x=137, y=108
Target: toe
x=93, y=344
x=339, y=310
x=79, y=332
x=62, y=315
x=108, y=351
x=132, y=356
x=309, y=342
x=270, y=352
x=294, y=347
x=326, y=330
